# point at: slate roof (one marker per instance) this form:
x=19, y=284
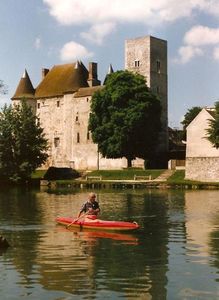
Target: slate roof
x=62, y=79
x=25, y=88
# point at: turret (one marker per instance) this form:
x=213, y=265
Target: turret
x=26, y=91
x=110, y=71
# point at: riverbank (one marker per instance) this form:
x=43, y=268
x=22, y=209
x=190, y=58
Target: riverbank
x=131, y=179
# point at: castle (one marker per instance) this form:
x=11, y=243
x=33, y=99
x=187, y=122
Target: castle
x=62, y=103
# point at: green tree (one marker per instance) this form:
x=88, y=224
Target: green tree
x=22, y=142
x=3, y=88
x=125, y=117
x=213, y=130
x=188, y=117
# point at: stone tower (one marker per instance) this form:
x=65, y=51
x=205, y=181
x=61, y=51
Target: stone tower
x=148, y=57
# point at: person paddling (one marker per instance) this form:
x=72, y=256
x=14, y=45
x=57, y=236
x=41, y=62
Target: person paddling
x=90, y=208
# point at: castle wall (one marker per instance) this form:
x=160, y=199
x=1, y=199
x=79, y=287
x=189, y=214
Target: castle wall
x=65, y=123
x=84, y=152
x=54, y=114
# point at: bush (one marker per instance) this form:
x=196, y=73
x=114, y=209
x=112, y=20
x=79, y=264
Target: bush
x=54, y=173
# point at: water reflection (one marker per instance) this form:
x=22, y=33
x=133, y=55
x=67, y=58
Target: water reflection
x=173, y=256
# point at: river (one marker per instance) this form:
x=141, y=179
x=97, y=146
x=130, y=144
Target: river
x=174, y=254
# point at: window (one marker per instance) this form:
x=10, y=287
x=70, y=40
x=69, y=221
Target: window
x=87, y=99
x=78, y=137
x=56, y=141
x=76, y=119
x=137, y=63
x=158, y=66
x=58, y=103
x=38, y=105
x=88, y=135
x=158, y=90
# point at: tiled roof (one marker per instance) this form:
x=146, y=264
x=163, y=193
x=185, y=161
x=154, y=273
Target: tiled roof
x=63, y=79
x=25, y=88
x=88, y=91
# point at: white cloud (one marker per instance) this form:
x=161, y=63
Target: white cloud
x=69, y=12
x=201, y=36
x=73, y=51
x=216, y=53
x=97, y=32
x=102, y=16
x=186, y=53
x=196, y=41
x=38, y=43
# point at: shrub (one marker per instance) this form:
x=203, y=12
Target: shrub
x=54, y=173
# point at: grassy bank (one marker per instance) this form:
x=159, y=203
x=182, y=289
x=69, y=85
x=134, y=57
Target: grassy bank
x=175, y=181
x=125, y=174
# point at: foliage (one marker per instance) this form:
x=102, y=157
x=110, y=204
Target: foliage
x=213, y=130
x=3, y=88
x=22, y=142
x=188, y=117
x=54, y=173
x=125, y=117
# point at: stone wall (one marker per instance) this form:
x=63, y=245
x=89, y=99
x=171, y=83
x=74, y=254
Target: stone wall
x=205, y=169
x=65, y=123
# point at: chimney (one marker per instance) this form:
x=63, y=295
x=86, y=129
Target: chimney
x=44, y=72
x=92, y=77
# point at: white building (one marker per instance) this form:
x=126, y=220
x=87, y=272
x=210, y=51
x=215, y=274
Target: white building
x=202, y=159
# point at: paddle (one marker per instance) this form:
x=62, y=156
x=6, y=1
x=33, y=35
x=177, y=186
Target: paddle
x=77, y=219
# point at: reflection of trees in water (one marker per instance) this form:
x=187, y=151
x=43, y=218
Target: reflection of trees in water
x=19, y=209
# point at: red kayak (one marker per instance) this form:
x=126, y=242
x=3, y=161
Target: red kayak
x=98, y=224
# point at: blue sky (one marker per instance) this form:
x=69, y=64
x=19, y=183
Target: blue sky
x=37, y=34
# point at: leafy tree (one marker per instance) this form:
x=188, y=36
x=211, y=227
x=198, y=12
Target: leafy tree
x=3, y=88
x=213, y=130
x=188, y=117
x=22, y=142
x=125, y=117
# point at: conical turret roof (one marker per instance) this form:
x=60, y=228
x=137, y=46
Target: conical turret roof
x=25, y=88
x=110, y=71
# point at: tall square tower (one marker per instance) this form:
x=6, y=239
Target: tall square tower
x=148, y=57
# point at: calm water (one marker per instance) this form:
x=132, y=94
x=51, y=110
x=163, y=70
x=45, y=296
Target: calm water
x=175, y=254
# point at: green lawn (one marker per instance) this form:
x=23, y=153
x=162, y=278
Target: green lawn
x=38, y=174
x=126, y=174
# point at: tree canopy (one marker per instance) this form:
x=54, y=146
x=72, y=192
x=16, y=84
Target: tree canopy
x=125, y=117
x=22, y=142
x=3, y=88
x=213, y=130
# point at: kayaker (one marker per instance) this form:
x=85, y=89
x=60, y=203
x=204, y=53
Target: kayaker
x=90, y=208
